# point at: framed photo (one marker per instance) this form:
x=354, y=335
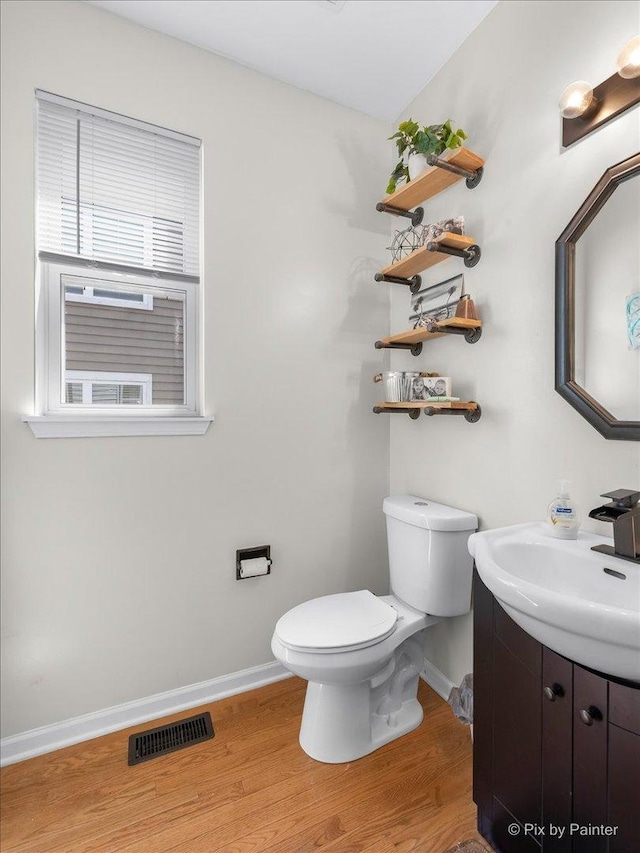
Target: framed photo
x=426, y=387
x=437, y=302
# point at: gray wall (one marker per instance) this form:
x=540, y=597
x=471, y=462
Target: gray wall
x=502, y=86
x=133, y=592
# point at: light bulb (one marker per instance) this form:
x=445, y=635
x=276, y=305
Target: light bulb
x=628, y=61
x=576, y=99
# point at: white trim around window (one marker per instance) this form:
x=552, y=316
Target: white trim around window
x=54, y=418
x=102, y=426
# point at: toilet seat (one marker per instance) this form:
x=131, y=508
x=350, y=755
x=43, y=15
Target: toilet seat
x=337, y=623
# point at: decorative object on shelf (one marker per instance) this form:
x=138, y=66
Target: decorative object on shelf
x=466, y=308
x=405, y=271
x=437, y=302
x=453, y=226
x=405, y=242
x=427, y=387
x=397, y=385
x=584, y=108
x=415, y=143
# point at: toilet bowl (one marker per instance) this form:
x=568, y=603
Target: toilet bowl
x=362, y=654
x=359, y=696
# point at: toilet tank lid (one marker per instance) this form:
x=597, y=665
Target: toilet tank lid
x=421, y=512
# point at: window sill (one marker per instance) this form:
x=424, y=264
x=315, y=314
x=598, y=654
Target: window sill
x=77, y=426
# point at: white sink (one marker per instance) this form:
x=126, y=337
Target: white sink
x=559, y=592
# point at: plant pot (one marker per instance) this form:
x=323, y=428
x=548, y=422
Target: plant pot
x=417, y=164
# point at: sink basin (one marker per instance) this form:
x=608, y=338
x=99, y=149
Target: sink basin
x=582, y=604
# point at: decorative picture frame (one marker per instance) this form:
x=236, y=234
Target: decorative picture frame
x=427, y=387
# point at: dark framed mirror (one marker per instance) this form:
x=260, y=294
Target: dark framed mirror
x=598, y=305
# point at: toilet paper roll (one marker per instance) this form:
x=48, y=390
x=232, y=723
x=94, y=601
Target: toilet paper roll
x=255, y=567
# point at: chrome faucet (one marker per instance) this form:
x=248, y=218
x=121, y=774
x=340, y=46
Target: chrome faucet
x=624, y=512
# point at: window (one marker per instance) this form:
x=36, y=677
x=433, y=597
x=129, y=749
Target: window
x=123, y=389
x=102, y=296
x=118, y=272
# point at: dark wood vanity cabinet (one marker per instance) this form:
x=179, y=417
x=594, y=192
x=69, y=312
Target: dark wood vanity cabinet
x=555, y=744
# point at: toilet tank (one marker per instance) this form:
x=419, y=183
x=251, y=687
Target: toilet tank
x=429, y=564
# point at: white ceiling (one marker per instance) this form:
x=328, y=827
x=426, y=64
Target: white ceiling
x=372, y=55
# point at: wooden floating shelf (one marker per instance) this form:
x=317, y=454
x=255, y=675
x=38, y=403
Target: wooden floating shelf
x=423, y=404
x=434, y=180
x=471, y=330
x=423, y=258
x=470, y=410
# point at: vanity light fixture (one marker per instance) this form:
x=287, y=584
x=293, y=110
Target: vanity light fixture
x=585, y=109
x=576, y=99
x=628, y=61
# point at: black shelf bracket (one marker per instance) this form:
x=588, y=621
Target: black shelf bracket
x=415, y=216
x=472, y=178
x=414, y=349
x=414, y=414
x=471, y=255
x=471, y=415
x=414, y=283
x=471, y=336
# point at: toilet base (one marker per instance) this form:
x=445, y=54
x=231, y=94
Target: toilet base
x=341, y=722
x=334, y=732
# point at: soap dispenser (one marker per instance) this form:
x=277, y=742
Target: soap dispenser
x=562, y=515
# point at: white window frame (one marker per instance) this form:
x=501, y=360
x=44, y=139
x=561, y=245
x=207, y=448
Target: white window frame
x=88, y=296
x=55, y=418
x=88, y=379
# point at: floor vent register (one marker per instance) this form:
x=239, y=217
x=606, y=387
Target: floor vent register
x=154, y=742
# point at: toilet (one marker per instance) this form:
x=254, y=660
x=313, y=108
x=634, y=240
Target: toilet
x=362, y=654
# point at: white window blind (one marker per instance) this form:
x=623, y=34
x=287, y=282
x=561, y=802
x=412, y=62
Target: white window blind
x=116, y=190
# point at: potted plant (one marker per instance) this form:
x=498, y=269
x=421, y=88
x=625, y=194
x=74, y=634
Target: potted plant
x=415, y=143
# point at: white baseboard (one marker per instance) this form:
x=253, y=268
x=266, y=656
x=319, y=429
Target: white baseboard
x=49, y=738
x=437, y=680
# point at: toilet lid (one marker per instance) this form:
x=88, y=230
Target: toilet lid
x=334, y=622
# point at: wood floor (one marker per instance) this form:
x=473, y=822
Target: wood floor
x=250, y=789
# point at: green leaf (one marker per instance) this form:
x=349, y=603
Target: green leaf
x=397, y=172
x=391, y=186
x=421, y=142
x=409, y=128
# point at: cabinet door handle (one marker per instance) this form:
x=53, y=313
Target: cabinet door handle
x=556, y=691
x=590, y=715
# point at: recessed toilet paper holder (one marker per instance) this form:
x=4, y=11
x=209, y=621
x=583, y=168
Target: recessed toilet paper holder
x=252, y=554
